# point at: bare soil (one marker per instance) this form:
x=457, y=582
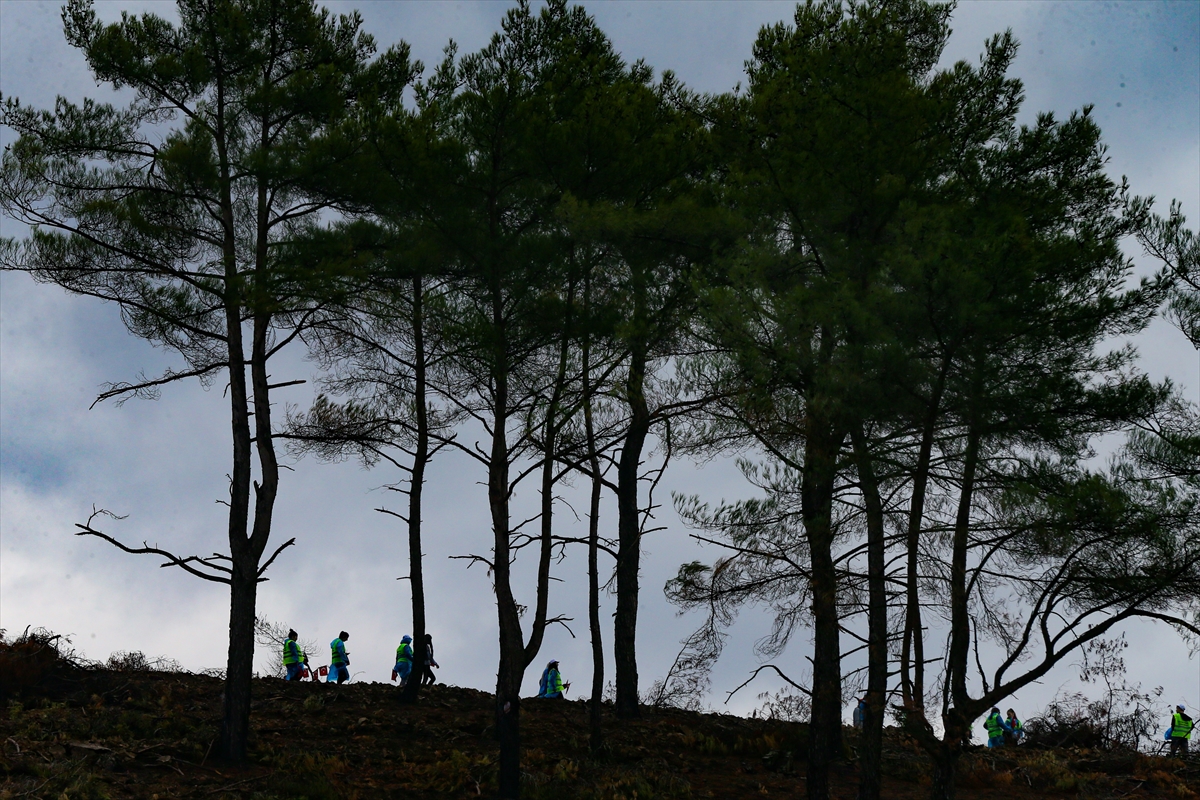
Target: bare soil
x=91, y=733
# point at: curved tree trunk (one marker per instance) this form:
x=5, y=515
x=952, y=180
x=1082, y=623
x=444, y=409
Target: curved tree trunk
x=912, y=652
x=629, y=539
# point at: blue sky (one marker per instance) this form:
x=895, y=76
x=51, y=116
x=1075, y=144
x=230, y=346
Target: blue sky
x=164, y=462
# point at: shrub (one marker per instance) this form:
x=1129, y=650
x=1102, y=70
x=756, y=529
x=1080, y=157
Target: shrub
x=35, y=659
x=136, y=661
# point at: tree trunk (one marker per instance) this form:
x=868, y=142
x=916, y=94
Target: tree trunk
x=235, y=724
x=912, y=652
x=945, y=768
x=552, y=426
x=870, y=756
x=595, y=730
x=239, y=669
x=508, y=708
x=629, y=540
x=512, y=649
x=960, y=622
x=420, y=460
x=825, y=729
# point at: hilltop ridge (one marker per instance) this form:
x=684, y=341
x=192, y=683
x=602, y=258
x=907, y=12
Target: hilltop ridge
x=82, y=731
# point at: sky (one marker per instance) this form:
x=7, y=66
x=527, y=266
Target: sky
x=163, y=463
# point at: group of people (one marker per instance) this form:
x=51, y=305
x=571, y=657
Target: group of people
x=403, y=667
x=1002, y=731
x=295, y=660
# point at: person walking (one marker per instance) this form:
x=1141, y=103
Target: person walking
x=551, y=684
x=1180, y=732
x=339, y=668
x=404, y=661
x=860, y=713
x=1016, y=729
x=428, y=662
x=294, y=658
x=996, y=728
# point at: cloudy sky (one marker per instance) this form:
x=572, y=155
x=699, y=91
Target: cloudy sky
x=163, y=463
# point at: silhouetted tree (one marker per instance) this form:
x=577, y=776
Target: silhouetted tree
x=179, y=207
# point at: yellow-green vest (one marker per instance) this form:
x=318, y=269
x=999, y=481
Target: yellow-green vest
x=291, y=653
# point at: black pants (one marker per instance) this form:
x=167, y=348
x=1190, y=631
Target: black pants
x=1179, y=746
x=426, y=675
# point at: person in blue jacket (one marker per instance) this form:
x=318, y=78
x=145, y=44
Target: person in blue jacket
x=1016, y=728
x=339, y=669
x=996, y=728
x=404, y=660
x=551, y=684
x=859, y=716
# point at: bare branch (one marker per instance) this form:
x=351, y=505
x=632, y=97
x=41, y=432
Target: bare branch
x=274, y=555
x=172, y=559
x=803, y=690
x=148, y=388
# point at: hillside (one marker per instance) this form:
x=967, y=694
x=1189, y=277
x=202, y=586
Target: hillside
x=78, y=731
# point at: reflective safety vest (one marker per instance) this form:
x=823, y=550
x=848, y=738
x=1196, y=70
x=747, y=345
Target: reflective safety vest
x=1016, y=725
x=338, y=648
x=1181, y=726
x=551, y=683
x=994, y=725
x=404, y=653
x=291, y=653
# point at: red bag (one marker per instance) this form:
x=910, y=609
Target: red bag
x=393, y=674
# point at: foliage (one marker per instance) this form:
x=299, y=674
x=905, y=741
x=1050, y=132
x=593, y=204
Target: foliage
x=861, y=274
x=1123, y=717
x=784, y=705
x=137, y=661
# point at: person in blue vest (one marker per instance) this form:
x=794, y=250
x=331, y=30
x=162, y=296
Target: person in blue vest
x=551, y=684
x=404, y=660
x=1016, y=729
x=294, y=658
x=339, y=669
x=996, y=728
x=1180, y=732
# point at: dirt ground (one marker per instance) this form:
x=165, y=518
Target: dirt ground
x=103, y=734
